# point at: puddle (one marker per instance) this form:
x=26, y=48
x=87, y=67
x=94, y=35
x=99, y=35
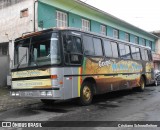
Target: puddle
x=53, y=109
x=28, y=112
x=131, y=99
x=139, y=97
x=107, y=104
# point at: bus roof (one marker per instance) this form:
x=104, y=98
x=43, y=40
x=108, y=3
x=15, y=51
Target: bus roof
x=31, y=34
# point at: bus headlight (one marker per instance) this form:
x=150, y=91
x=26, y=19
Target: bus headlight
x=46, y=93
x=17, y=94
x=43, y=93
x=49, y=94
x=13, y=94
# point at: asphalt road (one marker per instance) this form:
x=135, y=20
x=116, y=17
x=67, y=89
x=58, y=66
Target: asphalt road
x=124, y=105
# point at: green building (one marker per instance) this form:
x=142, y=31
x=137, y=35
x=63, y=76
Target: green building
x=77, y=14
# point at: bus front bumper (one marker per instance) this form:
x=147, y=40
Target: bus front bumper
x=40, y=94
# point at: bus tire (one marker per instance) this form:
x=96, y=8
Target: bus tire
x=47, y=101
x=86, y=94
x=142, y=84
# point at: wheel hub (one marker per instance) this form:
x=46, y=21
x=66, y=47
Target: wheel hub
x=86, y=93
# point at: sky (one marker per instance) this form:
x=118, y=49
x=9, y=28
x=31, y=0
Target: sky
x=144, y=14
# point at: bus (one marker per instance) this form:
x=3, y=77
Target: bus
x=65, y=63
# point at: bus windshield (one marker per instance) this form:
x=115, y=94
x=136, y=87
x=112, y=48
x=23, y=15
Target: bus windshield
x=37, y=51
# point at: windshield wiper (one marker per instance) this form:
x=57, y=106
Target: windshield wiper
x=25, y=55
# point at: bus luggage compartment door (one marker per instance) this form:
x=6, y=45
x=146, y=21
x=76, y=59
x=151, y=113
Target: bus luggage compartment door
x=67, y=83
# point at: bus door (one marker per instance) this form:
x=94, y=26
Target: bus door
x=72, y=48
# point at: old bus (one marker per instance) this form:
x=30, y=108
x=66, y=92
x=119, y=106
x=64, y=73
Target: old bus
x=59, y=64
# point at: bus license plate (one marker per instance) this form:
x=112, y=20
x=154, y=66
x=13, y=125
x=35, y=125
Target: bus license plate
x=28, y=94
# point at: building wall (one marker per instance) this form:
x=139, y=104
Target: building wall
x=47, y=16
x=74, y=21
x=12, y=27
x=4, y=67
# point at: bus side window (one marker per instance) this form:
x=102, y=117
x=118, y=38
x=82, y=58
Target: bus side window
x=107, y=48
x=144, y=55
x=114, y=49
x=124, y=51
x=135, y=53
x=77, y=45
x=128, y=53
x=138, y=54
x=97, y=46
x=66, y=47
x=88, y=45
x=110, y=49
x=72, y=49
x=76, y=55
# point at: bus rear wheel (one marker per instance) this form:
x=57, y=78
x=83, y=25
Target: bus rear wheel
x=86, y=94
x=47, y=101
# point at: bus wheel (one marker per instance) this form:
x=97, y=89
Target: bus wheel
x=47, y=101
x=86, y=94
x=142, y=84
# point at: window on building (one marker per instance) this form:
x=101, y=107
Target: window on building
x=115, y=33
x=127, y=37
x=24, y=13
x=61, y=19
x=3, y=49
x=136, y=40
x=85, y=25
x=103, y=30
x=143, y=42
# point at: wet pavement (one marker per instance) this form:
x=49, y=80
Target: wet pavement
x=7, y=102
x=126, y=105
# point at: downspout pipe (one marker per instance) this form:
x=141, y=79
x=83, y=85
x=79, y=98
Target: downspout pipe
x=34, y=26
